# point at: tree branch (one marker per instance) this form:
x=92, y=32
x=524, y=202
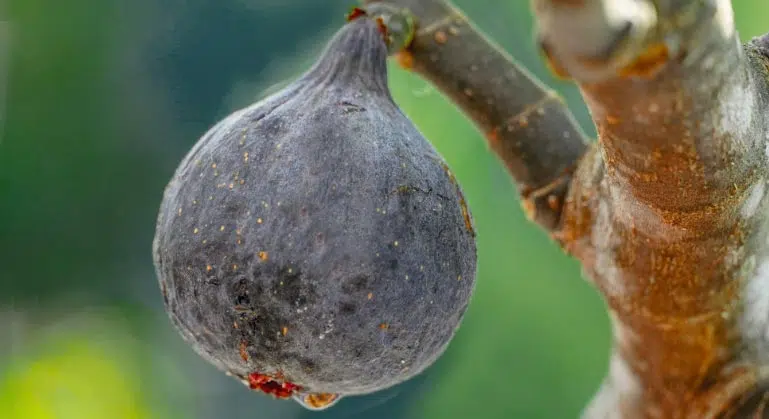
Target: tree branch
x=527, y=125
x=665, y=214
x=665, y=211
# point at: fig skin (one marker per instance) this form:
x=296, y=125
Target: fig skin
x=316, y=237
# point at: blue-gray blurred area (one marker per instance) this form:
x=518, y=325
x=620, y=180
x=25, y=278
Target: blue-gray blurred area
x=100, y=100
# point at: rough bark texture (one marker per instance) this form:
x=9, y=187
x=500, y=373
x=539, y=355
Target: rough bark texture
x=664, y=212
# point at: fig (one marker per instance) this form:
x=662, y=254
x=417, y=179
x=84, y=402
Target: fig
x=314, y=244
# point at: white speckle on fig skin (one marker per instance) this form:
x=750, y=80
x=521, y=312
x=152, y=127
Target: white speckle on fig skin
x=315, y=282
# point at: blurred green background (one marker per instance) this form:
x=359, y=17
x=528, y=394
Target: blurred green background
x=104, y=97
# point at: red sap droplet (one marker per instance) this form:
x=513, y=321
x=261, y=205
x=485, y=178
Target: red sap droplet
x=356, y=13
x=269, y=385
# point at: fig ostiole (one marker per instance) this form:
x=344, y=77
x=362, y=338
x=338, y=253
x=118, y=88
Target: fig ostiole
x=315, y=245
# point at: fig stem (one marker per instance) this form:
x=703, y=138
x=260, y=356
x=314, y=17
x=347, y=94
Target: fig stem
x=526, y=124
x=400, y=24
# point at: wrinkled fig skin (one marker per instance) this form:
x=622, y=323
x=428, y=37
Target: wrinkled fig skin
x=316, y=235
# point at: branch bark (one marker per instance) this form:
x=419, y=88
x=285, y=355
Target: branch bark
x=665, y=212
x=527, y=125
x=665, y=215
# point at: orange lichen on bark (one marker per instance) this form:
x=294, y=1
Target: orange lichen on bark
x=405, y=59
x=648, y=63
x=554, y=202
x=493, y=137
x=673, y=302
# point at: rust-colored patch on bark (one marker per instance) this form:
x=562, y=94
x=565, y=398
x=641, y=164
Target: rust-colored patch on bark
x=553, y=202
x=648, y=63
x=673, y=300
x=612, y=120
x=405, y=59
x=493, y=137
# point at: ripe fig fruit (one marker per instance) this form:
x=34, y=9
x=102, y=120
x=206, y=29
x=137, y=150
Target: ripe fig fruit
x=314, y=244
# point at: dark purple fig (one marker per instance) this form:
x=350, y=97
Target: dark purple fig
x=314, y=244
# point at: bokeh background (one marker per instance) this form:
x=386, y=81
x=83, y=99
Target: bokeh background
x=100, y=100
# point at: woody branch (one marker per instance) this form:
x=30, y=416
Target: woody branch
x=665, y=213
